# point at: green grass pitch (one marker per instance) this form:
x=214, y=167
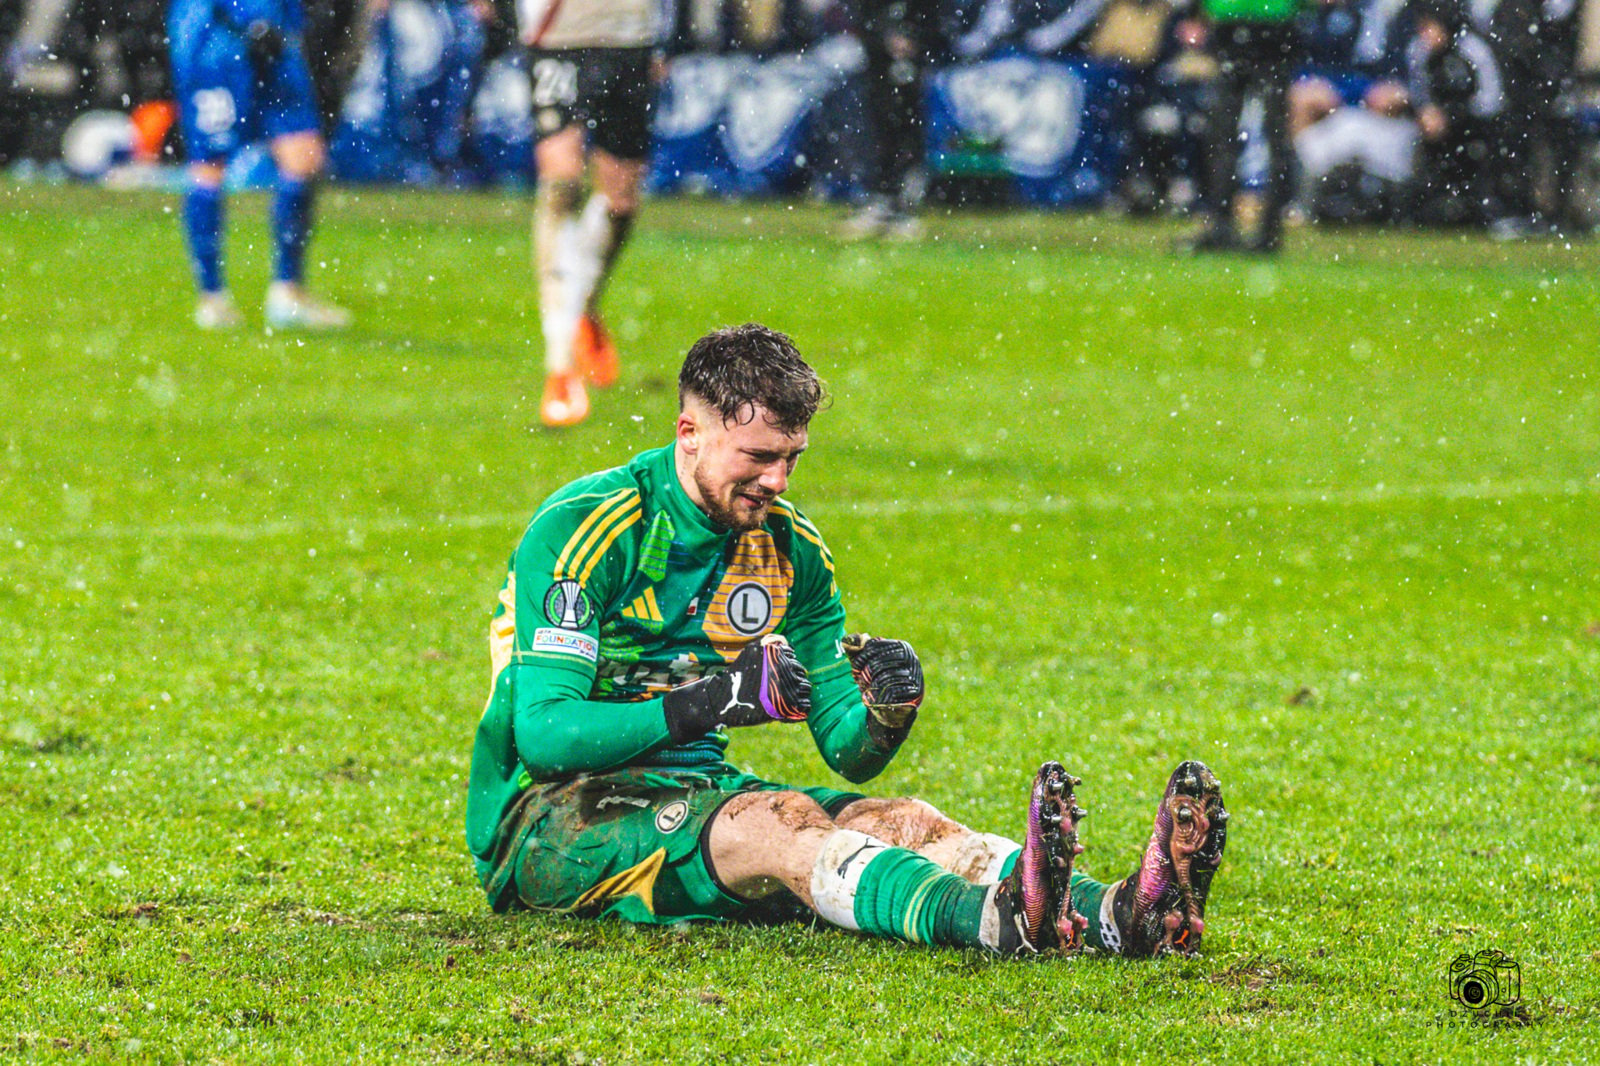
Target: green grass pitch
x=1328, y=523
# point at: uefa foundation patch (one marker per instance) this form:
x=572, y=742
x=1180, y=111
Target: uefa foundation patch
x=566, y=642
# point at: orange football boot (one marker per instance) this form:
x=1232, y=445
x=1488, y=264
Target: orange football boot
x=594, y=353
x=565, y=403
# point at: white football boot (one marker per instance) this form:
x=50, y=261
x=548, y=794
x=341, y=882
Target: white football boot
x=216, y=311
x=290, y=307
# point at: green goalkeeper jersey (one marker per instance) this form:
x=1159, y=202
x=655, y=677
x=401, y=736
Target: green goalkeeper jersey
x=622, y=589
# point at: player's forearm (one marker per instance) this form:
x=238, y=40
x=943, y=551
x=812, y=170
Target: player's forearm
x=839, y=726
x=561, y=737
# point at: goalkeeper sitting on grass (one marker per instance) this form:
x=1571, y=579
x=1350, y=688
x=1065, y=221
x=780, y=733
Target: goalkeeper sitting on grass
x=651, y=608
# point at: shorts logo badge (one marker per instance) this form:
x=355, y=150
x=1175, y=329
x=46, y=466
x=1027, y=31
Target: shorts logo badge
x=567, y=606
x=672, y=816
x=749, y=608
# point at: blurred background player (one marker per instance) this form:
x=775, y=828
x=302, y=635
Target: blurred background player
x=594, y=69
x=1536, y=45
x=241, y=76
x=898, y=37
x=1256, y=45
x=1460, y=100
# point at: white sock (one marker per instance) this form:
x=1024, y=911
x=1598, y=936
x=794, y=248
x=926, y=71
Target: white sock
x=989, y=931
x=1109, y=933
x=596, y=225
x=837, y=874
x=584, y=245
x=554, y=232
x=984, y=856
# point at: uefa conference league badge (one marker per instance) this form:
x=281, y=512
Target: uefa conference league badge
x=566, y=605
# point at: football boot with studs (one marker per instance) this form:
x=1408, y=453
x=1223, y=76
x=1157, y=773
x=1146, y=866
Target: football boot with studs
x=1033, y=903
x=1160, y=908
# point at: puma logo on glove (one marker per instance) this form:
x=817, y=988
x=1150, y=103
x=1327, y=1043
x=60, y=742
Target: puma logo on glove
x=767, y=675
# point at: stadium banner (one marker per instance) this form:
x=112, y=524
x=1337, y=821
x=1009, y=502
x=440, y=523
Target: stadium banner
x=737, y=125
x=1054, y=128
x=405, y=113
x=731, y=125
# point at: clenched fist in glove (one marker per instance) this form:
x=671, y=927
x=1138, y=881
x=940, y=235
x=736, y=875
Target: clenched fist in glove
x=765, y=683
x=890, y=679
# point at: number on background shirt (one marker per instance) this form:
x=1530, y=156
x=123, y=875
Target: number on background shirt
x=555, y=81
x=213, y=110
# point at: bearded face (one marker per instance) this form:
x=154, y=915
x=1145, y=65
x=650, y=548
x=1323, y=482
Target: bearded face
x=733, y=471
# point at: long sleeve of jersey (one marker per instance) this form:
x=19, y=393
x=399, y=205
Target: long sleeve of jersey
x=558, y=729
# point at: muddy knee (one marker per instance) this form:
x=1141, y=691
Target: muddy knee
x=760, y=841
x=782, y=811
x=905, y=822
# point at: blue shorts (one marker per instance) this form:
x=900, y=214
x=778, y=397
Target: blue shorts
x=222, y=104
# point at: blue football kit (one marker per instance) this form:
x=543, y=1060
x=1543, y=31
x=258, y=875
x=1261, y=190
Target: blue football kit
x=227, y=95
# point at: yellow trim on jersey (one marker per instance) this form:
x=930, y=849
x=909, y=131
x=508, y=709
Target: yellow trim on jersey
x=584, y=537
x=804, y=527
x=503, y=631
x=630, y=518
x=638, y=880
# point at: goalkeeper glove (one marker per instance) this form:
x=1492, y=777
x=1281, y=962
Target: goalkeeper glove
x=765, y=683
x=890, y=679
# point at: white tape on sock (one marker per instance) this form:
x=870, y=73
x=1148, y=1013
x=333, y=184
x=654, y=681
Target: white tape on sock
x=989, y=927
x=982, y=857
x=1002, y=852
x=1109, y=933
x=837, y=874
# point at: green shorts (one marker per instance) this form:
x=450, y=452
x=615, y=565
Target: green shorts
x=629, y=844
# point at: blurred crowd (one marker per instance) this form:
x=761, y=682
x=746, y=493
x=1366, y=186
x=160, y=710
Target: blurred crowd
x=1442, y=112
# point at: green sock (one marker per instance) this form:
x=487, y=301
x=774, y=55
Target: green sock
x=907, y=897
x=1087, y=896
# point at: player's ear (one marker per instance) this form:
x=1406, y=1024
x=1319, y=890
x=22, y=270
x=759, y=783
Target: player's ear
x=688, y=430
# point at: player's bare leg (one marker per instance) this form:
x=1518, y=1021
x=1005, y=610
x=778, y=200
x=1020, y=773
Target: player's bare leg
x=606, y=222
x=300, y=158
x=762, y=841
x=560, y=158
x=982, y=858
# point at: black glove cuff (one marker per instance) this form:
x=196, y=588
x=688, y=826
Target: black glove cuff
x=887, y=737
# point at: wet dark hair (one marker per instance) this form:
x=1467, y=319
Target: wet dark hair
x=736, y=370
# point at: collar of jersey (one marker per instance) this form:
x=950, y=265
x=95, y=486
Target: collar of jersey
x=694, y=526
